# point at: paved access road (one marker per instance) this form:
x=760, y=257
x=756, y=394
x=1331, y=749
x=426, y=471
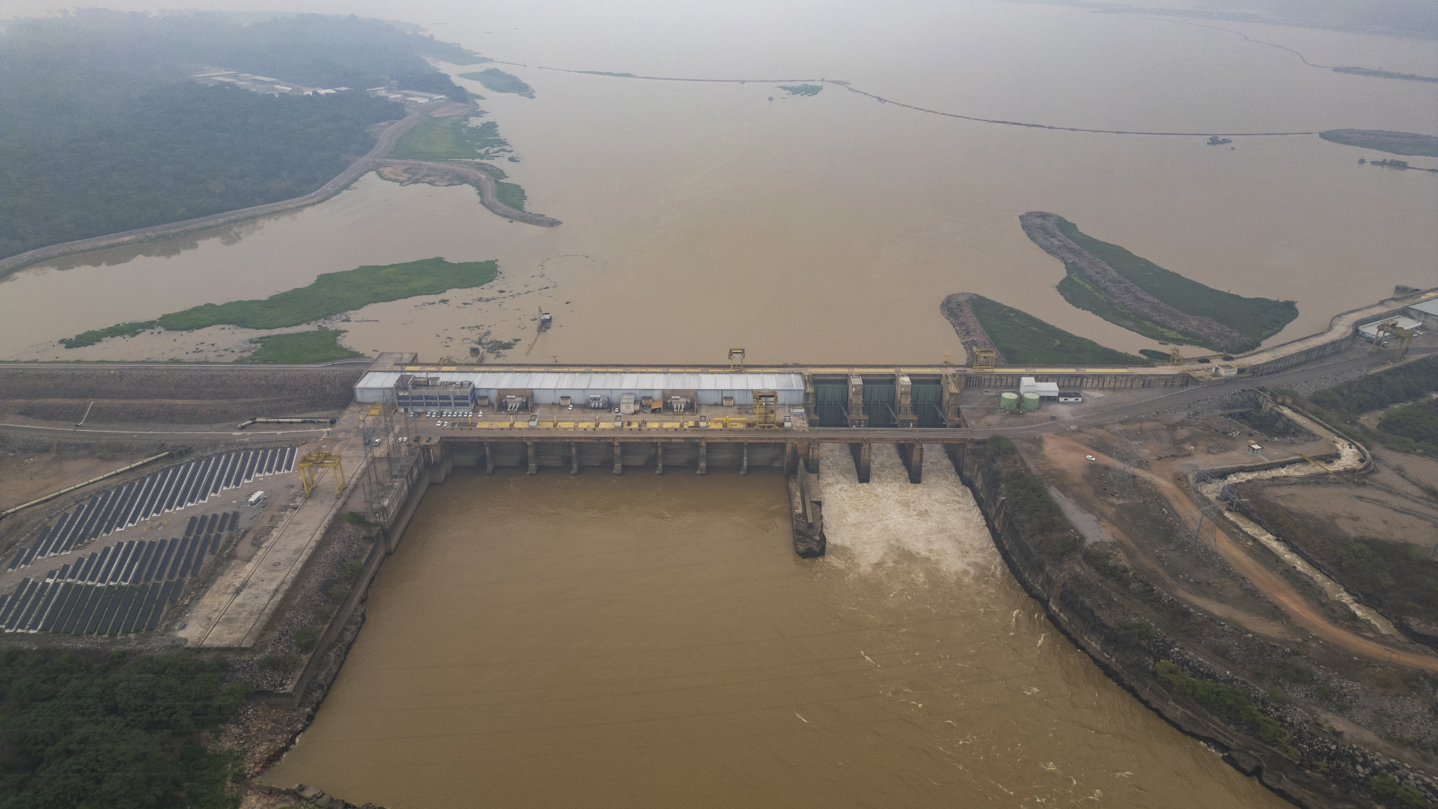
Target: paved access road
x=387, y=139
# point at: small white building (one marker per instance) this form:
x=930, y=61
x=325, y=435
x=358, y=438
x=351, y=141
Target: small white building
x=1045, y=390
x=1225, y=370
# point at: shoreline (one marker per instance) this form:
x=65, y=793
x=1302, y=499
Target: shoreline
x=383, y=145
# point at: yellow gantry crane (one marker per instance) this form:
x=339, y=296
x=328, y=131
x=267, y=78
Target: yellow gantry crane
x=985, y=359
x=320, y=459
x=1405, y=336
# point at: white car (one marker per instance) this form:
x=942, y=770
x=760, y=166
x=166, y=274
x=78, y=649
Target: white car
x=1090, y=458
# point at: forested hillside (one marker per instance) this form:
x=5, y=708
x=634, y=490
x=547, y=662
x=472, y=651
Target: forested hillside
x=104, y=130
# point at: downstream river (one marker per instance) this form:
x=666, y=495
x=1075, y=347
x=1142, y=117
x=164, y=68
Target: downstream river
x=824, y=229
x=653, y=641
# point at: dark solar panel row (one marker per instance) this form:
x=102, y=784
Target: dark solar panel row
x=168, y=489
x=119, y=589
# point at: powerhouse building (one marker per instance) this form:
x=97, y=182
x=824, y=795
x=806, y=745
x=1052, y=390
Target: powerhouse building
x=464, y=389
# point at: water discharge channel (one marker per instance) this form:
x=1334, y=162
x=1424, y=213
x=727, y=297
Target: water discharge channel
x=652, y=641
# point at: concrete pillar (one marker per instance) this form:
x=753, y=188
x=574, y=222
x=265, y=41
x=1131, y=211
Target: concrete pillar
x=863, y=456
x=488, y=460
x=744, y=462
x=789, y=452
x=533, y=458
x=904, y=398
x=857, y=417
x=950, y=400
x=956, y=454
x=811, y=457
x=659, y=458
x=810, y=403
x=703, y=458
x=618, y=459
x=916, y=463
x=573, y=458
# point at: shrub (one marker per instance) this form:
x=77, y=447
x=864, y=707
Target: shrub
x=1226, y=699
x=1143, y=629
x=307, y=639
x=279, y=662
x=1297, y=673
x=356, y=518
x=351, y=570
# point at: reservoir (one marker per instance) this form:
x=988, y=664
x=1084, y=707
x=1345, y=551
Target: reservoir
x=652, y=641
x=699, y=216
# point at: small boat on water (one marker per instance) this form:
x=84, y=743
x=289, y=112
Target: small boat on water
x=1214, y=140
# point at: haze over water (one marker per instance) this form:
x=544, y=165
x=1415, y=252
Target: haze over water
x=652, y=641
x=828, y=229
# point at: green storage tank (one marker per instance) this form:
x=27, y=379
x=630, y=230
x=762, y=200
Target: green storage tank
x=1031, y=401
x=1009, y=400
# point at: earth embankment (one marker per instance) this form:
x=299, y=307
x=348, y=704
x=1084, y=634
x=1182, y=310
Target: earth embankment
x=140, y=396
x=1043, y=229
x=958, y=309
x=480, y=179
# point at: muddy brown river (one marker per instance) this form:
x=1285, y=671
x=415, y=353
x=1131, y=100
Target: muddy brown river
x=653, y=641
x=825, y=229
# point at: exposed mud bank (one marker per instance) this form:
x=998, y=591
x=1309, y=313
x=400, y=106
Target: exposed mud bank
x=447, y=173
x=1329, y=773
x=959, y=311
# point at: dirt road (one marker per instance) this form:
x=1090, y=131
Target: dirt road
x=1272, y=585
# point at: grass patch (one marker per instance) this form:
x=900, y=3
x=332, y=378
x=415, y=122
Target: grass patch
x=1255, y=318
x=1411, y=428
x=330, y=294
x=452, y=138
x=1415, y=423
x=1225, y=699
x=1404, y=143
x=802, y=89
x=94, y=336
x=1155, y=354
x=1026, y=340
x=301, y=348
x=497, y=81
x=510, y=194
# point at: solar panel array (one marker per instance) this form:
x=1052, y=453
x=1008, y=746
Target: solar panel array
x=119, y=589
x=168, y=489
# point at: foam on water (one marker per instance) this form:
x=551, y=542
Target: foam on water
x=893, y=527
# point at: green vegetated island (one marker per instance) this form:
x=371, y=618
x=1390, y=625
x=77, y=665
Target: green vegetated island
x=802, y=89
x=117, y=135
x=1383, y=140
x=1022, y=339
x=497, y=81
x=1137, y=294
x=330, y=294
x=464, y=138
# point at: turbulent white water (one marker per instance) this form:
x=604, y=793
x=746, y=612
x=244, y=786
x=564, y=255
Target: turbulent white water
x=891, y=527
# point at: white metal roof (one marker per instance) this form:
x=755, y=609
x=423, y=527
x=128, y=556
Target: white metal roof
x=1426, y=307
x=598, y=380
x=1371, y=329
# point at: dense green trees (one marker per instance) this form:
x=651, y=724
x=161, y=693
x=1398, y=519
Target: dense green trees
x=80, y=732
x=104, y=130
